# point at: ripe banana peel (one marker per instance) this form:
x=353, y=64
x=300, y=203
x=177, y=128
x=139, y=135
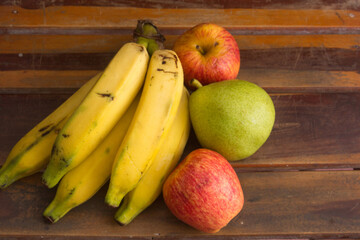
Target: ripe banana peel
x=82, y=182
x=150, y=126
x=150, y=185
x=32, y=152
x=99, y=111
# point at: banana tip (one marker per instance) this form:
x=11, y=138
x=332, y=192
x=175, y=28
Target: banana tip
x=112, y=205
x=111, y=202
x=44, y=182
x=4, y=184
x=3, y=181
x=47, y=184
x=120, y=223
x=50, y=219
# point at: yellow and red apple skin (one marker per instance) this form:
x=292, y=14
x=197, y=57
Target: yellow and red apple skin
x=208, y=53
x=204, y=191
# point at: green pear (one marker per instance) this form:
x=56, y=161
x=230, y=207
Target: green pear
x=232, y=117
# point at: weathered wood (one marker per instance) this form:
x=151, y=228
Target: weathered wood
x=66, y=61
x=22, y=44
x=274, y=58
x=311, y=130
x=277, y=80
x=33, y=80
x=272, y=80
x=236, y=19
x=283, y=204
x=284, y=4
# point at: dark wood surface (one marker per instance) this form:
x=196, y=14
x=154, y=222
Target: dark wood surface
x=282, y=204
x=303, y=183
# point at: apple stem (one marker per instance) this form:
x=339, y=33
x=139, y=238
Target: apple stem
x=148, y=35
x=200, y=50
x=195, y=83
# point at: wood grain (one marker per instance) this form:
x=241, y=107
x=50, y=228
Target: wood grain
x=283, y=4
x=312, y=130
x=111, y=43
x=72, y=17
x=272, y=80
x=278, y=80
x=299, y=58
x=33, y=79
x=282, y=204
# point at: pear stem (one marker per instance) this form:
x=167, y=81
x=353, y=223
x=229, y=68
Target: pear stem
x=195, y=83
x=148, y=35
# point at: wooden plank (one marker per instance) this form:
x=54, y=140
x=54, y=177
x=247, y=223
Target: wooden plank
x=34, y=79
x=297, y=58
x=72, y=17
x=312, y=130
x=65, y=61
x=278, y=80
x=272, y=80
x=282, y=204
x=16, y=44
x=283, y=4
x=301, y=59
x=63, y=43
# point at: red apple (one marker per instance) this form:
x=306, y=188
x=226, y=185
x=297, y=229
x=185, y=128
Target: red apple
x=204, y=191
x=209, y=53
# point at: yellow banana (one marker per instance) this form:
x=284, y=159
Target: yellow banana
x=33, y=150
x=150, y=185
x=153, y=118
x=82, y=182
x=99, y=112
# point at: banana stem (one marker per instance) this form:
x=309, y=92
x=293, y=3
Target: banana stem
x=148, y=35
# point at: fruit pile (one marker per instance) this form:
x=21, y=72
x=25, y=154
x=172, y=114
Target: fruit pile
x=130, y=123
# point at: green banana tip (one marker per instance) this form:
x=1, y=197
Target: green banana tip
x=47, y=183
x=4, y=182
x=120, y=223
x=50, y=219
x=122, y=220
x=111, y=203
x=50, y=179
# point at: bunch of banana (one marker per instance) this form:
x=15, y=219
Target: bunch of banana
x=82, y=182
x=129, y=124
x=98, y=113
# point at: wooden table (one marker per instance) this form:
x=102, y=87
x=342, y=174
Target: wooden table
x=303, y=183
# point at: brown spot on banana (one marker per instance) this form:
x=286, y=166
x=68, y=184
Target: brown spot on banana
x=163, y=70
x=48, y=131
x=166, y=57
x=44, y=128
x=106, y=95
x=72, y=191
